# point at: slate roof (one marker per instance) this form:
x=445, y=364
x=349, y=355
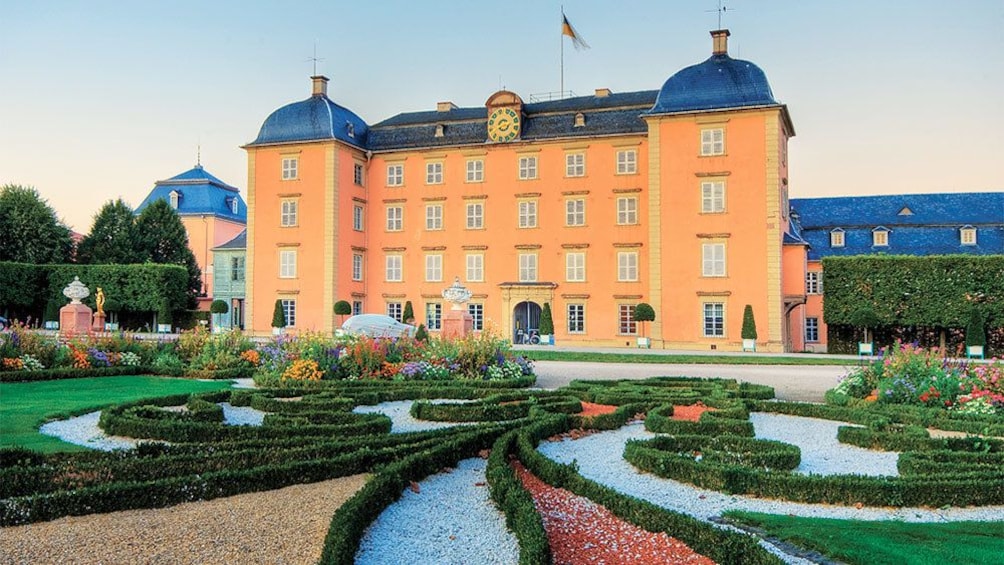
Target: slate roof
x=239, y=242
x=718, y=82
x=312, y=119
x=604, y=115
x=201, y=194
x=932, y=226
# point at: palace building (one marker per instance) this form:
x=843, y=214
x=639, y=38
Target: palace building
x=676, y=197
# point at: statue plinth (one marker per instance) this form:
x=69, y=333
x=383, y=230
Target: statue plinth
x=75, y=319
x=457, y=323
x=99, y=321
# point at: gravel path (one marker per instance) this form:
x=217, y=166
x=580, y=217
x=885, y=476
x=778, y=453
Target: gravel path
x=241, y=415
x=281, y=526
x=600, y=458
x=449, y=521
x=84, y=430
x=399, y=411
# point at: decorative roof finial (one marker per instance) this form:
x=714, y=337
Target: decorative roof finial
x=198, y=155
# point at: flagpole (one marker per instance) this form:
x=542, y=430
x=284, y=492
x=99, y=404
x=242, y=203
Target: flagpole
x=561, y=37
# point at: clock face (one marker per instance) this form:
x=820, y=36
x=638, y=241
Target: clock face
x=503, y=125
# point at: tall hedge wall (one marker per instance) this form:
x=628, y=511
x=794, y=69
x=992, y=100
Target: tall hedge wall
x=934, y=291
x=26, y=288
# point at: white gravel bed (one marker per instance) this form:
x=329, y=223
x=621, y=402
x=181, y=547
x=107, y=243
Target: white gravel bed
x=84, y=430
x=449, y=521
x=399, y=411
x=241, y=415
x=243, y=383
x=600, y=458
x=822, y=454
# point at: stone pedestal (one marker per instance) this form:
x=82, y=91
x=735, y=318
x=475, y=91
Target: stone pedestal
x=99, y=322
x=75, y=319
x=457, y=323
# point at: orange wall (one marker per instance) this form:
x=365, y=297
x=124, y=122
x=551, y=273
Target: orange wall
x=814, y=308
x=794, y=285
x=204, y=233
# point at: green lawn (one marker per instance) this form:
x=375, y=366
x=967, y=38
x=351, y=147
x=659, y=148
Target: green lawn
x=543, y=355
x=876, y=543
x=25, y=406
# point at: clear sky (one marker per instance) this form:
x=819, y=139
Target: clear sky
x=100, y=99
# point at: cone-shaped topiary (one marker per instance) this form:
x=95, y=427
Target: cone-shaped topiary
x=421, y=334
x=408, y=316
x=643, y=312
x=218, y=307
x=975, y=334
x=278, y=315
x=546, y=320
x=51, y=311
x=749, y=324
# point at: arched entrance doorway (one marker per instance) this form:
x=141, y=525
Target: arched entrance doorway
x=525, y=321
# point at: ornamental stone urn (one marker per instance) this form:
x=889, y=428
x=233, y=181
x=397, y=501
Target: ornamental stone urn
x=75, y=317
x=457, y=322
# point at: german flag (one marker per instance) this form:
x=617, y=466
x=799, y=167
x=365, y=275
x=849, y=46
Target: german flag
x=567, y=29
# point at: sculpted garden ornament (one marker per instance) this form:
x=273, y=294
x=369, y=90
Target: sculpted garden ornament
x=457, y=322
x=99, y=298
x=76, y=291
x=457, y=295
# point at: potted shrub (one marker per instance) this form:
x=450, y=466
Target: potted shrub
x=342, y=308
x=546, y=329
x=218, y=307
x=749, y=329
x=644, y=312
x=865, y=318
x=408, y=316
x=278, y=318
x=164, y=318
x=976, y=337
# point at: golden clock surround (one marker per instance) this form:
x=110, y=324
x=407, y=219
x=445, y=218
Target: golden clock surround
x=504, y=124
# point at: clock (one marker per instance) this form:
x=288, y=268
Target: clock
x=503, y=125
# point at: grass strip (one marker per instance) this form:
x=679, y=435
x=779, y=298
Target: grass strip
x=678, y=359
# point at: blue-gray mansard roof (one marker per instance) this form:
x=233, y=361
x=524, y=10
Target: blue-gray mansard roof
x=199, y=193
x=918, y=224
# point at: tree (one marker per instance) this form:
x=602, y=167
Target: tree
x=113, y=237
x=278, y=315
x=161, y=238
x=219, y=307
x=864, y=317
x=30, y=232
x=643, y=312
x=164, y=314
x=975, y=333
x=421, y=334
x=408, y=316
x=749, y=324
x=546, y=320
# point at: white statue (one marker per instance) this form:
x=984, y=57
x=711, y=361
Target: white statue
x=76, y=291
x=457, y=294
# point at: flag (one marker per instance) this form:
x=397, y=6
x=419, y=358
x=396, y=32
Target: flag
x=567, y=29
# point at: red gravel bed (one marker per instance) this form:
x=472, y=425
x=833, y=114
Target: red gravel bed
x=589, y=409
x=581, y=531
x=690, y=413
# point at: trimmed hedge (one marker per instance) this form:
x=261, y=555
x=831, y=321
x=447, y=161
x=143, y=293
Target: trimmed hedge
x=496, y=408
x=71, y=373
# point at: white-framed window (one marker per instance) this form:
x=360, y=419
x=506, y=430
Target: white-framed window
x=967, y=235
x=434, y=217
x=175, y=197
x=237, y=268
x=528, y=167
x=395, y=174
x=288, y=213
x=713, y=259
x=527, y=267
x=433, y=267
x=576, y=316
x=234, y=205
x=625, y=320
x=357, y=174
x=290, y=168
x=475, y=215
x=395, y=310
x=812, y=329
x=528, y=214
x=357, y=267
x=712, y=197
x=434, y=173
x=880, y=238
x=433, y=316
x=575, y=267
x=357, y=307
x=357, y=218
x=395, y=218
x=575, y=164
x=289, y=310
x=287, y=263
x=477, y=312
x=475, y=170
x=714, y=319
x=837, y=238
x=627, y=210
x=713, y=141
x=575, y=212
x=627, y=162
x=814, y=282
x=393, y=272
x=475, y=267
x=627, y=266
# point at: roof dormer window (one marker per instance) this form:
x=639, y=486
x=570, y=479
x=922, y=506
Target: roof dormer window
x=837, y=238
x=880, y=237
x=580, y=120
x=234, y=205
x=350, y=129
x=967, y=235
x=440, y=130
x=175, y=197
x=906, y=211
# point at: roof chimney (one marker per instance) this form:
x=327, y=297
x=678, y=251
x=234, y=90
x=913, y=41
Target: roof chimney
x=445, y=106
x=602, y=92
x=720, y=42
x=320, y=85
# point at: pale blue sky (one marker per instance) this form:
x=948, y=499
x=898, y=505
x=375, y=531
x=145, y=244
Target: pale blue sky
x=99, y=99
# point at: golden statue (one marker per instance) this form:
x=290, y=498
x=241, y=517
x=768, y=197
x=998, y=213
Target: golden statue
x=99, y=297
